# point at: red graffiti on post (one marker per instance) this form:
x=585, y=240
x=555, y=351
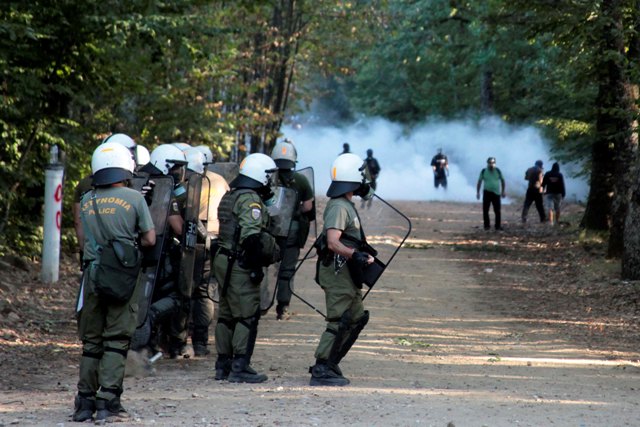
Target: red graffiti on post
x=58, y=193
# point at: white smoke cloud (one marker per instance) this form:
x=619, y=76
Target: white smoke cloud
x=405, y=156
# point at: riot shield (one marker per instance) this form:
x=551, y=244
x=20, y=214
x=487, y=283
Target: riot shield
x=285, y=203
x=228, y=170
x=138, y=181
x=189, y=239
x=153, y=257
x=386, y=229
x=281, y=210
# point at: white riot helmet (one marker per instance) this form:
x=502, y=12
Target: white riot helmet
x=121, y=139
x=142, y=155
x=110, y=163
x=166, y=156
x=195, y=160
x=181, y=145
x=255, y=171
x=208, y=154
x=285, y=155
x=347, y=174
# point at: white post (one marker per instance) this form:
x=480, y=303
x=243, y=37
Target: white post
x=52, y=218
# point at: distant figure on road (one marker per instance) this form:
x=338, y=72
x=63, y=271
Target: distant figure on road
x=494, y=188
x=345, y=148
x=373, y=169
x=534, y=176
x=440, y=166
x=553, y=185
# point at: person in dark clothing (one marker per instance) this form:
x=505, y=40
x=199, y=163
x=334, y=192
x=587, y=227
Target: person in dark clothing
x=553, y=186
x=346, y=148
x=373, y=169
x=440, y=166
x=534, y=176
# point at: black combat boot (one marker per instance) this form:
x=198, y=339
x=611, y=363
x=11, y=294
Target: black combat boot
x=324, y=373
x=84, y=407
x=223, y=367
x=110, y=410
x=241, y=372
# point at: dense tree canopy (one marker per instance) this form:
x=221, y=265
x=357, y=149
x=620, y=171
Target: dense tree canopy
x=228, y=73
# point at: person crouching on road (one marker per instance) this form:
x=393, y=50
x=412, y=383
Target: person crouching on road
x=338, y=255
x=111, y=213
x=245, y=248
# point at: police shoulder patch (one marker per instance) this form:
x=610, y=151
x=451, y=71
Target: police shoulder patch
x=256, y=213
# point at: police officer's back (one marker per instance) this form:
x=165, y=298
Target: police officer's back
x=112, y=215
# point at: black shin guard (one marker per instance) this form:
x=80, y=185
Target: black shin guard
x=340, y=335
x=353, y=336
x=252, y=325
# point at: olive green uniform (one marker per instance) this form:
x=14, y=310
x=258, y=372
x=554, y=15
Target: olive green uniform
x=343, y=298
x=295, y=239
x=106, y=328
x=239, y=306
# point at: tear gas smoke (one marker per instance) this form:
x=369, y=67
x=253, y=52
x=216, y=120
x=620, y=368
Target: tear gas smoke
x=405, y=156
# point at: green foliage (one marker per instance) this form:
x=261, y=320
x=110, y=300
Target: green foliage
x=198, y=71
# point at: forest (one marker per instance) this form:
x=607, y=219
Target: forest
x=230, y=73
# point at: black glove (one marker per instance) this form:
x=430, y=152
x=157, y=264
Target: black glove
x=147, y=191
x=256, y=276
x=360, y=258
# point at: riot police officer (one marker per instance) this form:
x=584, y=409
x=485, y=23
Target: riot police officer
x=285, y=156
x=110, y=212
x=340, y=258
x=245, y=248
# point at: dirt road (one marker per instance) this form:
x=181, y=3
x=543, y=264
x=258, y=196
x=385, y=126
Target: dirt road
x=452, y=341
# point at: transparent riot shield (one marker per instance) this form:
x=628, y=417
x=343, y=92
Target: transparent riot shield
x=138, y=181
x=153, y=257
x=189, y=239
x=228, y=170
x=385, y=228
x=281, y=210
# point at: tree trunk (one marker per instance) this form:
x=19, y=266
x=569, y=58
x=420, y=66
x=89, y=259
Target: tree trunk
x=609, y=134
x=622, y=120
x=631, y=246
x=486, y=92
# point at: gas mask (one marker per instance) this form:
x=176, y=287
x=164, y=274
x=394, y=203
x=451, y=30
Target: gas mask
x=266, y=194
x=178, y=173
x=286, y=175
x=365, y=191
